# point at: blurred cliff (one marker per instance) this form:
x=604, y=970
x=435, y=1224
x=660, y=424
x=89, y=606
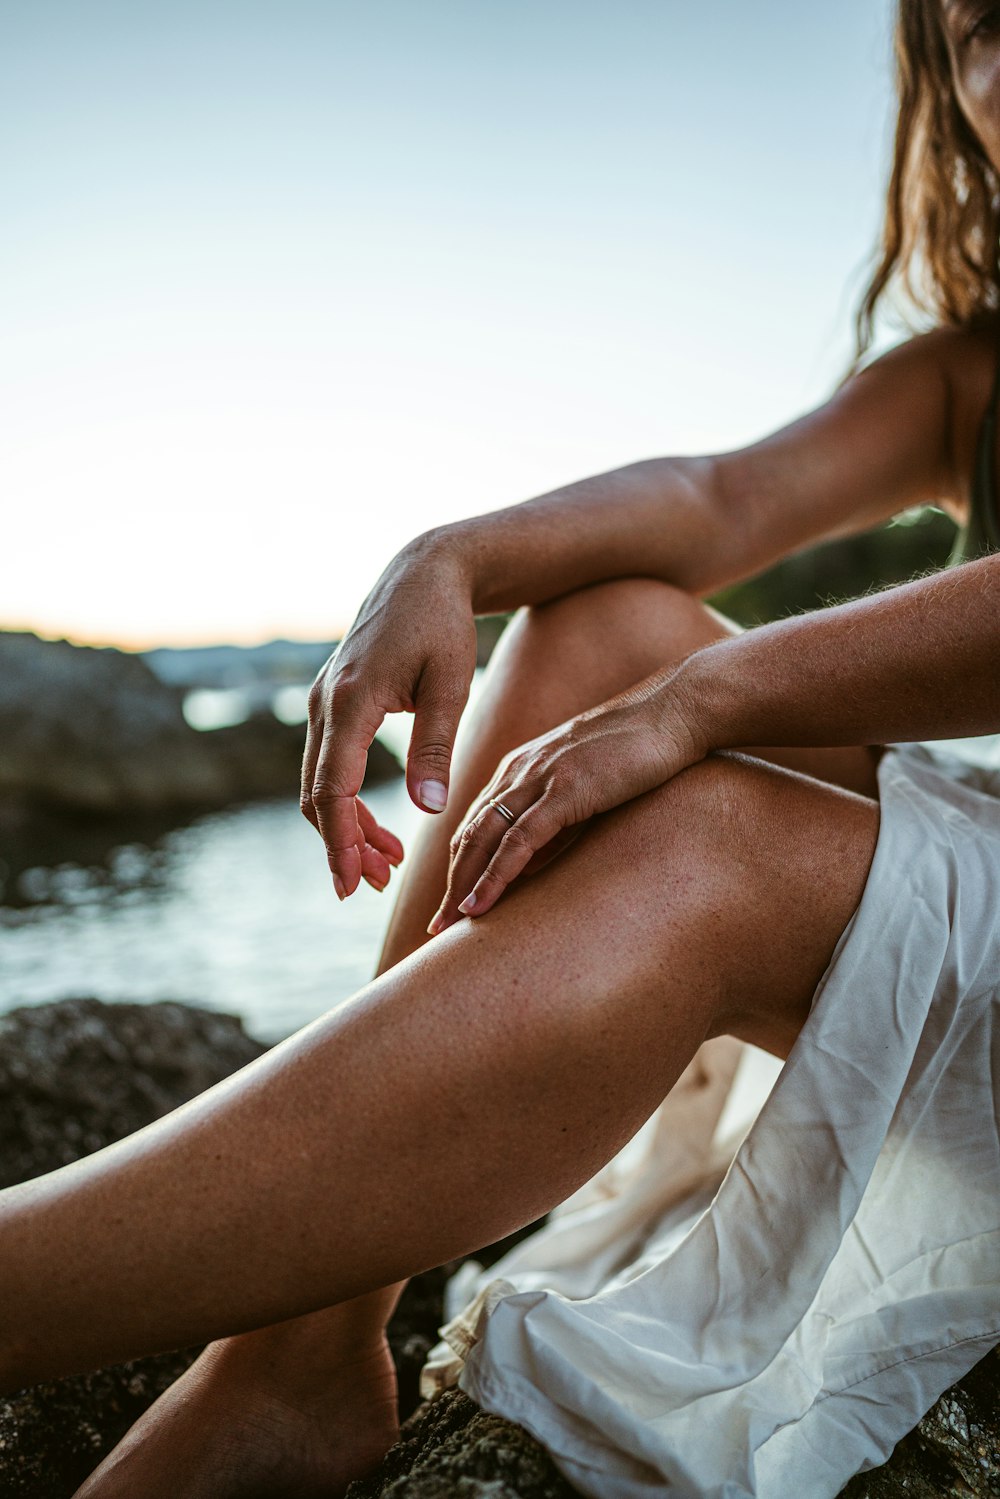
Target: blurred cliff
x=97, y=732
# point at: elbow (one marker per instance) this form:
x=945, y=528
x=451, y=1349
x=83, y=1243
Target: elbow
x=701, y=542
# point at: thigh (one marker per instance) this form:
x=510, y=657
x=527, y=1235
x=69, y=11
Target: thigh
x=726, y=891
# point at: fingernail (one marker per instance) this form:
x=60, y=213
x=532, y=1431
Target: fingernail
x=467, y=904
x=338, y=885
x=435, y=925
x=433, y=795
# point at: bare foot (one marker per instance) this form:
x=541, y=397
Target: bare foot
x=219, y=1434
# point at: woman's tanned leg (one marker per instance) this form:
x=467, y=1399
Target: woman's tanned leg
x=553, y=662
x=459, y=1096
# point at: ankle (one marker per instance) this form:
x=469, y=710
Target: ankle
x=299, y=1366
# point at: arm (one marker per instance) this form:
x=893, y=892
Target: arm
x=878, y=446
x=915, y=662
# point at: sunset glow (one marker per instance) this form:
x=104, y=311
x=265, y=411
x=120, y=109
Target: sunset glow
x=286, y=285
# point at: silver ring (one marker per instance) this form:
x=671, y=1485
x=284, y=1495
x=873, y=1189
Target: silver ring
x=504, y=811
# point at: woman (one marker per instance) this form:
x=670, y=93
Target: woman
x=804, y=898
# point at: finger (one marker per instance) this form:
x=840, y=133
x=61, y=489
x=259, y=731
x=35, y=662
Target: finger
x=438, y=703
x=379, y=837
x=472, y=848
x=380, y=851
x=375, y=867
x=310, y=753
x=522, y=840
x=340, y=770
x=483, y=804
x=492, y=843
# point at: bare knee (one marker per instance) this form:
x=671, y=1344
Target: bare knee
x=611, y=634
x=629, y=606
x=761, y=868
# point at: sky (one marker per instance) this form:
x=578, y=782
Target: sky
x=284, y=284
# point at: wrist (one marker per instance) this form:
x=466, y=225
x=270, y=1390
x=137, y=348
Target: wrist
x=441, y=549
x=701, y=694
x=464, y=544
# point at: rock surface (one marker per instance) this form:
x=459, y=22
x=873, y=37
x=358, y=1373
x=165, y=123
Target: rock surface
x=78, y=1074
x=452, y=1448
x=96, y=732
x=75, y=1076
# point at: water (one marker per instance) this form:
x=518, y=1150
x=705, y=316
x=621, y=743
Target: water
x=235, y=911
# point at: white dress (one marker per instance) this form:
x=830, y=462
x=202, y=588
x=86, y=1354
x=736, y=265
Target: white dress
x=717, y=1319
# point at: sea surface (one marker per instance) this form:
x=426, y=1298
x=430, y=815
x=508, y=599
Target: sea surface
x=234, y=911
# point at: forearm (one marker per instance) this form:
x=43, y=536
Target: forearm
x=917, y=662
x=654, y=518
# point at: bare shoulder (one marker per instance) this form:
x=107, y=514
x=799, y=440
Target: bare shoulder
x=965, y=361
x=899, y=433
x=880, y=444
x=917, y=384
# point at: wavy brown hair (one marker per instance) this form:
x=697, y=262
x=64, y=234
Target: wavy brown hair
x=941, y=232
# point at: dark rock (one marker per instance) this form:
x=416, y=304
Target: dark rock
x=96, y=731
x=55, y=1434
x=78, y=1074
x=953, y=1451
x=75, y=1076
x=450, y=1447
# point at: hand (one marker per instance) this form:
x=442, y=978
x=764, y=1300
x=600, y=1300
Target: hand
x=411, y=649
x=554, y=784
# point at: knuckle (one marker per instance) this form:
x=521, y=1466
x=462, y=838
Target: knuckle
x=341, y=695
x=324, y=794
x=434, y=753
x=518, y=838
x=471, y=835
x=548, y=812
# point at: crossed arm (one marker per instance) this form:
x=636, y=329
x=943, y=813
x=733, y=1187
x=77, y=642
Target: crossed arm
x=917, y=662
x=914, y=662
